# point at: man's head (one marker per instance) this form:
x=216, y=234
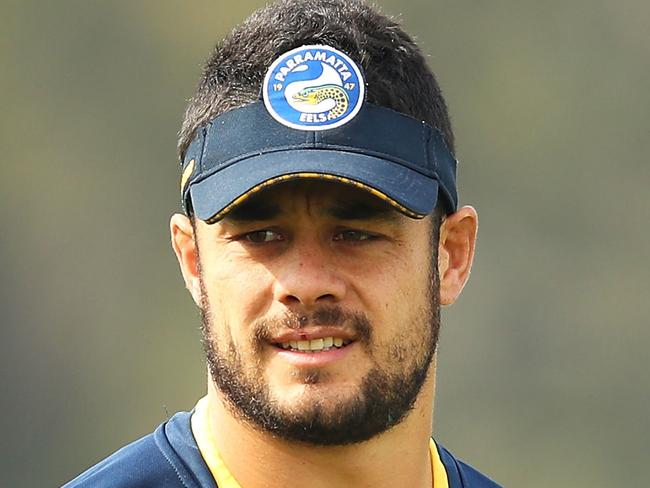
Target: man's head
x=319, y=291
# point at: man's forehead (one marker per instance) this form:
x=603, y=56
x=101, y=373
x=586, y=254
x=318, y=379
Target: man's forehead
x=333, y=199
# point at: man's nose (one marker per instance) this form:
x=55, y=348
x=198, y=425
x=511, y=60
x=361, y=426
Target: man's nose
x=309, y=277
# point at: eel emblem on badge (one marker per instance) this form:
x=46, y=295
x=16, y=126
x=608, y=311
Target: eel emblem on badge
x=313, y=88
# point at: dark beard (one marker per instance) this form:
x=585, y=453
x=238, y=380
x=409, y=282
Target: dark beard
x=384, y=399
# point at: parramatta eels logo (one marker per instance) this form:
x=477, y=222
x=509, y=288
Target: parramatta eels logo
x=313, y=88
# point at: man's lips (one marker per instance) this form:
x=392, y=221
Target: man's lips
x=314, y=353
x=311, y=333
x=313, y=340
x=324, y=337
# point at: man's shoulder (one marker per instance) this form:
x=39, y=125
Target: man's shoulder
x=140, y=463
x=167, y=457
x=461, y=474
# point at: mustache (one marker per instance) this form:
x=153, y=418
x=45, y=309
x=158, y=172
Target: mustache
x=354, y=322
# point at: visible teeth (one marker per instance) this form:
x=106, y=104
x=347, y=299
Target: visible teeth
x=323, y=344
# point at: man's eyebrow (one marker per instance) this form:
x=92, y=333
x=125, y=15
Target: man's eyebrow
x=254, y=210
x=358, y=210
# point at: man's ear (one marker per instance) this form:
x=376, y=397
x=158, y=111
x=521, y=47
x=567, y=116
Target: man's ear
x=456, y=252
x=186, y=250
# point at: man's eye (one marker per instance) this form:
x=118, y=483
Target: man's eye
x=261, y=236
x=353, y=236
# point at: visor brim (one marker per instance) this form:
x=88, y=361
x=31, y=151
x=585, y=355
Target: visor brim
x=409, y=191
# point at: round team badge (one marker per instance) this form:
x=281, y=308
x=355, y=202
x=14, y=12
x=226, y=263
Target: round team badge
x=313, y=88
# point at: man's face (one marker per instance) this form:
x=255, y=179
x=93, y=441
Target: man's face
x=320, y=311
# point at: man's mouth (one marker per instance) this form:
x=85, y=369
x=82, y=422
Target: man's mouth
x=315, y=345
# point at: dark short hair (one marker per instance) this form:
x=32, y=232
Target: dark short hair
x=396, y=72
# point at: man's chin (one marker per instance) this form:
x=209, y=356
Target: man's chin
x=311, y=392
x=320, y=410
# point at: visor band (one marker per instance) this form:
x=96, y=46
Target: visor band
x=400, y=149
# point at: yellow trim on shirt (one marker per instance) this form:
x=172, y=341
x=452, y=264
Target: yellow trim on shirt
x=205, y=441
x=439, y=472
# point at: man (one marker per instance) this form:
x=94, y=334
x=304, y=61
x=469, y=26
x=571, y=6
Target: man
x=320, y=236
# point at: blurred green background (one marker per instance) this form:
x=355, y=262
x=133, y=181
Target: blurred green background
x=543, y=372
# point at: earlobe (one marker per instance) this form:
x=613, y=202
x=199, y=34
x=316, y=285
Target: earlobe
x=456, y=252
x=185, y=248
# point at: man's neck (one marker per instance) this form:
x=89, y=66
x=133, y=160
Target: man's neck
x=399, y=457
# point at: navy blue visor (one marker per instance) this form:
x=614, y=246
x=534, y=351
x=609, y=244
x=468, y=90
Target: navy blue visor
x=393, y=156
